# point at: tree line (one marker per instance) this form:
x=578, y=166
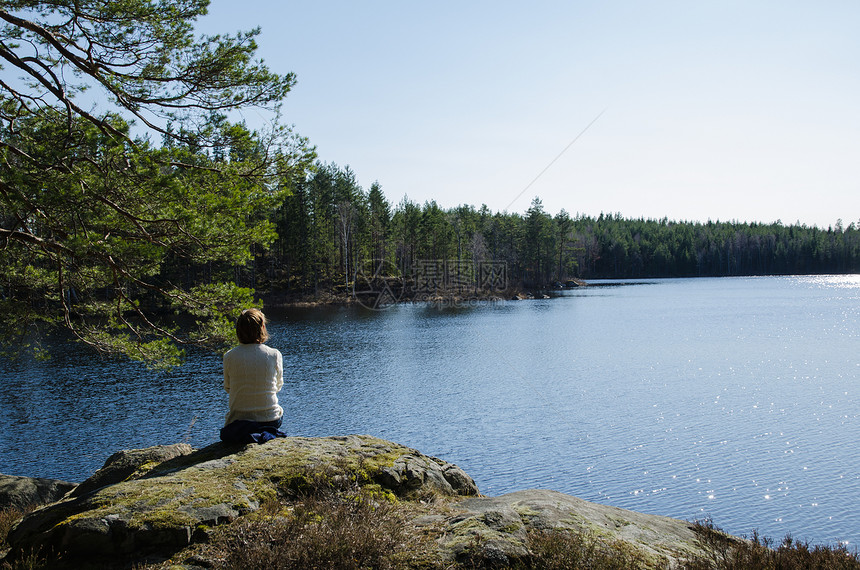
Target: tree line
x=329, y=226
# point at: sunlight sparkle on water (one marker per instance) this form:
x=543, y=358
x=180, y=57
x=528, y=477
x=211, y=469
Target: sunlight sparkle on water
x=833, y=281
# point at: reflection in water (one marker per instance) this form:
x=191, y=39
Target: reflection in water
x=729, y=398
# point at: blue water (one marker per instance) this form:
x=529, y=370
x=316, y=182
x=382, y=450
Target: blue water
x=734, y=399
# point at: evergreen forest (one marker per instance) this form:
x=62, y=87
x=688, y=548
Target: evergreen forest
x=328, y=226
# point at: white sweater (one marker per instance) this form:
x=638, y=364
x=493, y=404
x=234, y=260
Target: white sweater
x=253, y=374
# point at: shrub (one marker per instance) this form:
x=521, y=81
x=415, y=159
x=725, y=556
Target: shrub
x=8, y=517
x=350, y=531
x=758, y=553
x=560, y=549
x=30, y=560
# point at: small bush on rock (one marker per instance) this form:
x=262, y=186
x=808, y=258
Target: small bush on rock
x=351, y=531
x=8, y=517
x=28, y=561
x=563, y=549
x=759, y=553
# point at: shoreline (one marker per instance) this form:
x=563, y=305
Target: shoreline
x=381, y=296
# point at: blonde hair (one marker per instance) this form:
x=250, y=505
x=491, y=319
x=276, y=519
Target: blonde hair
x=251, y=327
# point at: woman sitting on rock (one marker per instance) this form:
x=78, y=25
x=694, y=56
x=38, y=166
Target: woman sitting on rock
x=253, y=375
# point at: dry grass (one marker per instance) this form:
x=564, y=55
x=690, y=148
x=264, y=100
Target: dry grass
x=31, y=561
x=8, y=517
x=348, y=531
x=761, y=553
x=563, y=549
x=360, y=534
x=322, y=521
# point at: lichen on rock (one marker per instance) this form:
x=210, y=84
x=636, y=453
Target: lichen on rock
x=499, y=526
x=130, y=464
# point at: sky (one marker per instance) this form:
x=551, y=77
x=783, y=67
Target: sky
x=690, y=110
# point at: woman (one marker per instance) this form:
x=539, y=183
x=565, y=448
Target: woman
x=253, y=374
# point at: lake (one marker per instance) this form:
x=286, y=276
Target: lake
x=732, y=398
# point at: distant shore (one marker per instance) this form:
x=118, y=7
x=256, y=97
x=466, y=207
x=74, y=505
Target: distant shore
x=379, y=294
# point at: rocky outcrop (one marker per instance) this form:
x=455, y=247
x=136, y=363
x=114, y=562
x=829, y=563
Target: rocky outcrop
x=135, y=504
x=169, y=499
x=499, y=527
x=24, y=492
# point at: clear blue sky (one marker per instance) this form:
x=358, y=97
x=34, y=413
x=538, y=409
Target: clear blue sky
x=731, y=110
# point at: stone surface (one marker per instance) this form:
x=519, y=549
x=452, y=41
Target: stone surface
x=22, y=492
x=417, y=473
x=498, y=526
x=135, y=503
x=130, y=464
